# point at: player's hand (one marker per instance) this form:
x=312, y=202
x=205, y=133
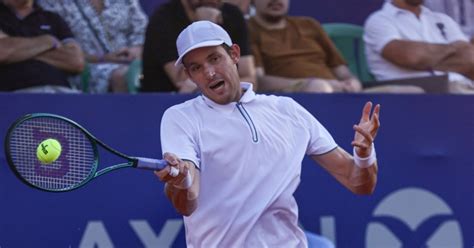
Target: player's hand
x=176, y=171
x=366, y=130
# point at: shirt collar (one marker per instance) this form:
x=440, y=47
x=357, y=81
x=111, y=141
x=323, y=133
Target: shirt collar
x=248, y=96
x=394, y=10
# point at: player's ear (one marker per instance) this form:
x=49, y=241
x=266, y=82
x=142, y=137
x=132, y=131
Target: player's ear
x=234, y=53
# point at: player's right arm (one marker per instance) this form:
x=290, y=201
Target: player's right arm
x=181, y=189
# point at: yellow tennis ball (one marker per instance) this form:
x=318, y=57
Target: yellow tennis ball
x=48, y=151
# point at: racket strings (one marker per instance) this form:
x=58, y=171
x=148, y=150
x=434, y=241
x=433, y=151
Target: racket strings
x=74, y=165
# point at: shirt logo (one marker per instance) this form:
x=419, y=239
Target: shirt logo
x=413, y=217
x=45, y=27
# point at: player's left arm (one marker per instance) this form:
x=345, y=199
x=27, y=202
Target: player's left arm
x=358, y=173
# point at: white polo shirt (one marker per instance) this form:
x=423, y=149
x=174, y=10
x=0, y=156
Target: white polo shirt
x=249, y=154
x=392, y=23
x=462, y=11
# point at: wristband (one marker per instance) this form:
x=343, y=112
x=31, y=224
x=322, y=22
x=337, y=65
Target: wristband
x=186, y=183
x=367, y=161
x=173, y=171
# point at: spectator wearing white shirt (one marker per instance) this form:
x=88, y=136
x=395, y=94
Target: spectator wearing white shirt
x=405, y=39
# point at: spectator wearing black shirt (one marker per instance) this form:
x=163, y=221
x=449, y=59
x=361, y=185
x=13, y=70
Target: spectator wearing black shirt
x=37, y=50
x=167, y=21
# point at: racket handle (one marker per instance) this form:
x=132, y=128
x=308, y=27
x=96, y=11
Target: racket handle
x=151, y=163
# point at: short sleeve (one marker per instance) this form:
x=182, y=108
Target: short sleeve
x=320, y=140
x=178, y=136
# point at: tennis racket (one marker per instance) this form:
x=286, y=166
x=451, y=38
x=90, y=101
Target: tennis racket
x=78, y=161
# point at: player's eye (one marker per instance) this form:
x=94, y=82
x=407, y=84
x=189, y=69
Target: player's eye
x=195, y=68
x=215, y=59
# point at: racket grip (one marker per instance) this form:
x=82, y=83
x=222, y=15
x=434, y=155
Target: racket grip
x=151, y=163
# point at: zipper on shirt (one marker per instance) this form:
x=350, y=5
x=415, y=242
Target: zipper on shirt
x=249, y=121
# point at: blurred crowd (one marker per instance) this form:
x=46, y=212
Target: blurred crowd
x=105, y=46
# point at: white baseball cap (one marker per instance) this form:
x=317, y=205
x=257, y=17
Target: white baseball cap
x=200, y=34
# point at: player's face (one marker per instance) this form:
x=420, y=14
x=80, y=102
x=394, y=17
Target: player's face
x=214, y=70
x=272, y=9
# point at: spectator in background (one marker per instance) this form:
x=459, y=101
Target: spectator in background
x=462, y=11
x=37, y=49
x=160, y=54
x=294, y=54
x=111, y=34
x=244, y=5
x=405, y=40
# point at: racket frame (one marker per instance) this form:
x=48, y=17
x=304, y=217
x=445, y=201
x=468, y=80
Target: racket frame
x=132, y=162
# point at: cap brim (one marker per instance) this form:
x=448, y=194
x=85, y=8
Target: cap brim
x=198, y=45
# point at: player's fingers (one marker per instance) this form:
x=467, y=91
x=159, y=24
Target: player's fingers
x=162, y=174
x=375, y=125
x=364, y=133
x=179, y=171
x=360, y=145
x=366, y=112
x=377, y=109
x=376, y=112
x=171, y=158
x=168, y=174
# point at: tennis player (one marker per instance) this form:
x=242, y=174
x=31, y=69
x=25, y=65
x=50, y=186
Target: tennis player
x=239, y=154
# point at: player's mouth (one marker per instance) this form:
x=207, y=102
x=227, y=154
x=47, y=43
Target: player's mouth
x=217, y=85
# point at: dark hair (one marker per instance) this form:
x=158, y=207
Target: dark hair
x=227, y=48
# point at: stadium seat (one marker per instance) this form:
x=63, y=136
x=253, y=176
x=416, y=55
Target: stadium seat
x=349, y=41
x=132, y=77
x=84, y=78
x=316, y=241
